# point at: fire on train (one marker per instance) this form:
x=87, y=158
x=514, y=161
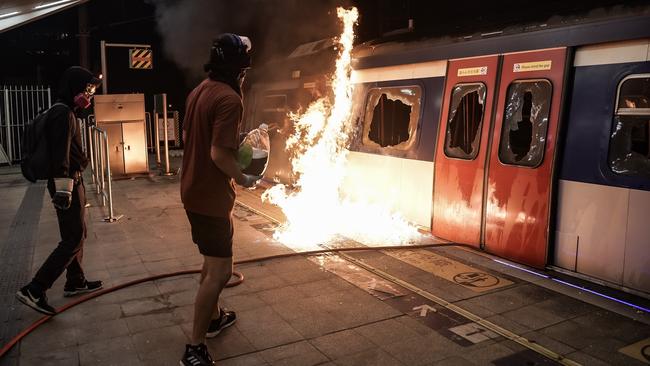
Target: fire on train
x=533, y=146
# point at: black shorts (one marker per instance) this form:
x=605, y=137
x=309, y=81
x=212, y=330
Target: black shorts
x=213, y=235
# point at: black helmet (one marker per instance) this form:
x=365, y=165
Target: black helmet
x=229, y=51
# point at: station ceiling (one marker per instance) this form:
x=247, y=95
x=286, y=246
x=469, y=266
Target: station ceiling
x=14, y=13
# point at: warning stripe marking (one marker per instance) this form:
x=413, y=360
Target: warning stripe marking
x=144, y=53
x=142, y=65
x=141, y=58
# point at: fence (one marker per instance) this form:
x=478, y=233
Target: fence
x=19, y=104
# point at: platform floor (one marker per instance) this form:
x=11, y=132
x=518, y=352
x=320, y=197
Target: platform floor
x=321, y=310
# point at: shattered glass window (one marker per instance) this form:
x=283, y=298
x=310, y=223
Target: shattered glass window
x=391, y=117
x=629, y=146
x=465, y=121
x=525, y=122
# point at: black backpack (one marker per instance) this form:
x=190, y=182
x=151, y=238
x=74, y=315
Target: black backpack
x=36, y=163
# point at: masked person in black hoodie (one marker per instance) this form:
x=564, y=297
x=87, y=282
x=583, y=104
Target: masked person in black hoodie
x=65, y=185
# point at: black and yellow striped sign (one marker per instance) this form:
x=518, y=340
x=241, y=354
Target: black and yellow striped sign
x=140, y=58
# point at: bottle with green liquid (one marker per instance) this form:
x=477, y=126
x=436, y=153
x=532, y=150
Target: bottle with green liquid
x=253, y=154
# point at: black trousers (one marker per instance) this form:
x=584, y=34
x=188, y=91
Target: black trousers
x=69, y=253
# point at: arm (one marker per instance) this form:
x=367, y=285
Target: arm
x=225, y=160
x=225, y=141
x=61, y=127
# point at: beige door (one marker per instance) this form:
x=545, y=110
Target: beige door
x=135, y=147
x=115, y=147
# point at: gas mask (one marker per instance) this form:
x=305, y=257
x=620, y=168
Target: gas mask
x=82, y=100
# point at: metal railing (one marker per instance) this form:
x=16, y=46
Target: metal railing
x=147, y=121
x=19, y=105
x=160, y=112
x=84, y=136
x=100, y=163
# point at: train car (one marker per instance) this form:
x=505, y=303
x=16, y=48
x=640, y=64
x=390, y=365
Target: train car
x=532, y=145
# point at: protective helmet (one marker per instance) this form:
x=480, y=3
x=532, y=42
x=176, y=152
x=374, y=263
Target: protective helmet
x=229, y=51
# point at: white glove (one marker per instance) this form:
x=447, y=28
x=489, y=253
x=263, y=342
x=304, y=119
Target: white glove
x=63, y=197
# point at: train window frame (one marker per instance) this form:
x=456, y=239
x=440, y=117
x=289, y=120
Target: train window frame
x=275, y=110
x=542, y=150
x=414, y=118
x=260, y=113
x=475, y=152
x=629, y=113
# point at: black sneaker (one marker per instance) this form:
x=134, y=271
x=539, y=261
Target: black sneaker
x=87, y=286
x=196, y=356
x=34, y=300
x=226, y=319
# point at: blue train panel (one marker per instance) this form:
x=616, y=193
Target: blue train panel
x=590, y=125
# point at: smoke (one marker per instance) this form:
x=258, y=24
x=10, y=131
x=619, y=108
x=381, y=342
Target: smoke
x=275, y=27
x=187, y=28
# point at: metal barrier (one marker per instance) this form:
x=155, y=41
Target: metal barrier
x=81, y=122
x=19, y=105
x=160, y=110
x=100, y=163
x=147, y=118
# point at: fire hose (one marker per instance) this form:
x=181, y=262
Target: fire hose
x=238, y=275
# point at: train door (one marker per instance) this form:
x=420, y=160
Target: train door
x=462, y=148
x=521, y=160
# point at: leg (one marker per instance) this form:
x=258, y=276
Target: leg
x=217, y=310
x=71, y=226
x=74, y=270
x=72, y=229
x=217, y=274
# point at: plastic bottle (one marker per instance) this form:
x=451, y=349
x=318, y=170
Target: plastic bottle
x=254, y=151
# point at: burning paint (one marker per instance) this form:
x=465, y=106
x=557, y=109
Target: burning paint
x=316, y=211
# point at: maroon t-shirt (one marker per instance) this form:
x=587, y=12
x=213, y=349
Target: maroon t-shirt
x=212, y=118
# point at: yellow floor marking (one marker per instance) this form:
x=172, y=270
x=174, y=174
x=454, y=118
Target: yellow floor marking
x=536, y=347
x=451, y=270
x=639, y=350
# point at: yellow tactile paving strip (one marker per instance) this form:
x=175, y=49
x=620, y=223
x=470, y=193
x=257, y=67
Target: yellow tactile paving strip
x=451, y=270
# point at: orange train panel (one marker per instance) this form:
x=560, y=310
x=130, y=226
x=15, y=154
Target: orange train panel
x=518, y=197
x=458, y=184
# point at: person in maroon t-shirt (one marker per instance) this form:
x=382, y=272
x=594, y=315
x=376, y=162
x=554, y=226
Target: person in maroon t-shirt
x=211, y=137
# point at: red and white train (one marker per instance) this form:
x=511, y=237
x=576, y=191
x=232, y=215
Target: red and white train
x=533, y=146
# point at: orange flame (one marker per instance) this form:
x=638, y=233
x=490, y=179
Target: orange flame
x=315, y=210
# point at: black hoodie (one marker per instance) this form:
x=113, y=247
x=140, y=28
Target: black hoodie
x=63, y=130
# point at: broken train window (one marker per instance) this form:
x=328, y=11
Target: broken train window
x=465, y=120
x=392, y=116
x=629, y=145
x=525, y=122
